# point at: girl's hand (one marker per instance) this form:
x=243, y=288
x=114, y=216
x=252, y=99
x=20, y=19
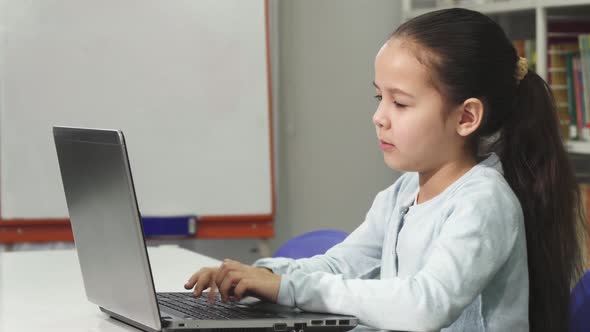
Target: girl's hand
x=204, y=278
x=240, y=280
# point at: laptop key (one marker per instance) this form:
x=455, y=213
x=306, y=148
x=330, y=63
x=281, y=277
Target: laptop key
x=200, y=307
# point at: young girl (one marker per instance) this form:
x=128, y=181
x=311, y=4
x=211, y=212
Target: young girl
x=481, y=234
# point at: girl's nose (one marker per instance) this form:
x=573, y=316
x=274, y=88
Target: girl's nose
x=379, y=119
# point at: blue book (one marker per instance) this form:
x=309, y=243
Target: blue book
x=169, y=226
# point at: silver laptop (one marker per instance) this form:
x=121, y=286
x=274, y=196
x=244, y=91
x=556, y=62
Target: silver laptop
x=113, y=257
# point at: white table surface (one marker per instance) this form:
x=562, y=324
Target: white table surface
x=43, y=290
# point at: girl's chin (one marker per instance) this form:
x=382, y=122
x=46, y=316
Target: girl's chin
x=393, y=162
x=396, y=163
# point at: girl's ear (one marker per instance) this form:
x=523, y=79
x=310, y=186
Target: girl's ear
x=470, y=116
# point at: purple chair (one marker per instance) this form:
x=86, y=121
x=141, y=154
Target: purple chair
x=311, y=243
x=580, y=305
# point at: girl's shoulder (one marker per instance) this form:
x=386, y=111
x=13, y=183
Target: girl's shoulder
x=485, y=183
x=486, y=193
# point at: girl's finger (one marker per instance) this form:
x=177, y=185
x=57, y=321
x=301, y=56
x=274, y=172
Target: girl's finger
x=232, y=278
x=193, y=280
x=212, y=291
x=227, y=266
x=241, y=288
x=203, y=282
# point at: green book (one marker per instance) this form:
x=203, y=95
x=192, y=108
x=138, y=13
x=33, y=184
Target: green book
x=571, y=96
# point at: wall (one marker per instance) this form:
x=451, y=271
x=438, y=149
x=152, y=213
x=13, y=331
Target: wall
x=329, y=163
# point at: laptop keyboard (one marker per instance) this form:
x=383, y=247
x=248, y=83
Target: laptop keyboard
x=200, y=308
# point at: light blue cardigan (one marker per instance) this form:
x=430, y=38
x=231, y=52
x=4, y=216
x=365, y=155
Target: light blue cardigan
x=457, y=262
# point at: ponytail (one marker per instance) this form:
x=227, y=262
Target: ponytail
x=538, y=169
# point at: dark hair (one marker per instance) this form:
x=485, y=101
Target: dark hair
x=471, y=56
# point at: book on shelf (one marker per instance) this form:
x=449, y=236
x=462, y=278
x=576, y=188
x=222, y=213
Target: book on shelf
x=568, y=75
x=584, y=49
x=585, y=198
x=578, y=101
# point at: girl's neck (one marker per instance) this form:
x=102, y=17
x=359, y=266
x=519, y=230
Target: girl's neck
x=434, y=182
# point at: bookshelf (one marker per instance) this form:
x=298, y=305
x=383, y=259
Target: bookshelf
x=521, y=19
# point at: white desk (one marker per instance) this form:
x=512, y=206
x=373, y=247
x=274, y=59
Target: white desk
x=43, y=290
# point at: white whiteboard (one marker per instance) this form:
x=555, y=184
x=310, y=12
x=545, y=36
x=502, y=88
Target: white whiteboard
x=186, y=81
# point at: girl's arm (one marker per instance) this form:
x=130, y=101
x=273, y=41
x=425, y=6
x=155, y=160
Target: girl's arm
x=474, y=243
x=358, y=256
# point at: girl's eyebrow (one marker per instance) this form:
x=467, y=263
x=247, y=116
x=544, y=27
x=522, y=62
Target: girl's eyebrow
x=394, y=90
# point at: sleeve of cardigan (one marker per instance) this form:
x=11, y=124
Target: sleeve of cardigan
x=358, y=256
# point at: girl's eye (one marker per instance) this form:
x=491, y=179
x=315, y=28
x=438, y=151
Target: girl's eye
x=379, y=98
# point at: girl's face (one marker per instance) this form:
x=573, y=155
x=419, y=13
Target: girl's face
x=415, y=130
